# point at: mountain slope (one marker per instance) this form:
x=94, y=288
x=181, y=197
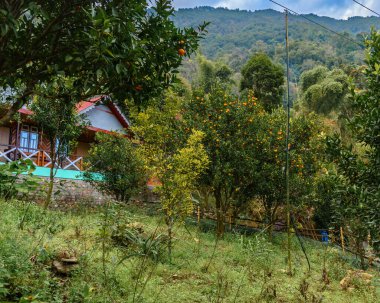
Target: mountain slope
x=233, y=35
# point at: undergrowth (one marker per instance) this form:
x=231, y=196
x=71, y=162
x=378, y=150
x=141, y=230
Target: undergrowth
x=121, y=255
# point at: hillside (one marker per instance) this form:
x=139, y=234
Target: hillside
x=235, y=34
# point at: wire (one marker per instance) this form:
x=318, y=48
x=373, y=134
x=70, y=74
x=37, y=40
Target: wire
x=312, y=21
x=366, y=7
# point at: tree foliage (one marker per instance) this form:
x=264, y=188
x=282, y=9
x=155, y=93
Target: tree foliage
x=225, y=121
x=246, y=148
x=210, y=72
x=16, y=179
x=175, y=156
x=265, y=78
x=324, y=91
x=54, y=110
x=358, y=169
x=125, y=49
x=115, y=167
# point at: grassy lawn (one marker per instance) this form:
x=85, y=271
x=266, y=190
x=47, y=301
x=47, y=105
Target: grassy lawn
x=236, y=268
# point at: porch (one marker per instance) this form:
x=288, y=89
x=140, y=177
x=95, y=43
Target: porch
x=40, y=157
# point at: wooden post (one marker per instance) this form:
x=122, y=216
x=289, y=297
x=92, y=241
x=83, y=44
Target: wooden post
x=199, y=215
x=342, y=238
x=230, y=221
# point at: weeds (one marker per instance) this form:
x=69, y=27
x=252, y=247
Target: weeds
x=242, y=269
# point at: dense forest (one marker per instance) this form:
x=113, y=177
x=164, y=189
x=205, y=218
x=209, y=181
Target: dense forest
x=234, y=35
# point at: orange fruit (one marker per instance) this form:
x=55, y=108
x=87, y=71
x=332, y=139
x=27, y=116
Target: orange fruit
x=181, y=52
x=138, y=87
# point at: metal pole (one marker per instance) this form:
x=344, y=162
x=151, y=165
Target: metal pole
x=287, y=144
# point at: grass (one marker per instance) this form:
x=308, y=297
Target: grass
x=237, y=268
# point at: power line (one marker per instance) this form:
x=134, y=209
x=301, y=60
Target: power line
x=312, y=21
x=366, y=7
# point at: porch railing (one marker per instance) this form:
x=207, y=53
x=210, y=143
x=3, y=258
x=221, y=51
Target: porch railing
x=39, y=157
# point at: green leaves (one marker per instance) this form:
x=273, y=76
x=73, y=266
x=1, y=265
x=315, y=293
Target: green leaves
x=16, y=179
x=324, y=91
x=109, y=48
x=358, y=165
x=265, y=78
x=117, y=161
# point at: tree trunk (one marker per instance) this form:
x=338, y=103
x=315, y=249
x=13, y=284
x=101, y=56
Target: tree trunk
x=53, y=157
x=169, y=223
x=219, y=212
x=205, y=194
x=268, y=218
x=361, y=251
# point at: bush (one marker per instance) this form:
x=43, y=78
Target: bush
x=114, y=166
x=16, y=179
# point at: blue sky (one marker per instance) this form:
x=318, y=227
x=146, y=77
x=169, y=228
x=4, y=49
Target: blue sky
x=341, y=9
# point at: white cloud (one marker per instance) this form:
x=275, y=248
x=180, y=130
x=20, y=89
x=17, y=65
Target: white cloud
x=357, y=10
x=242, y=4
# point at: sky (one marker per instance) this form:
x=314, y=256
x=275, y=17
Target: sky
x=339, y=9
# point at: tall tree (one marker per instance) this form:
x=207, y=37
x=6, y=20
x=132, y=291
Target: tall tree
x=225, y=120
x=54, y=109
x=127, y=49
x=246, y=148
x=358, y=165
x=209, y=73
x=324, y=91
x=265, y=78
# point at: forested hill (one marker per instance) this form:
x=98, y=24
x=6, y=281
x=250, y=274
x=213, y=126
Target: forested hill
x=235, y=34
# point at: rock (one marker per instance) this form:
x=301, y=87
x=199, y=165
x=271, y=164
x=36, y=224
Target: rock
x=71, y=260
x=62, y=268
x=59, y=267
x=347, y=282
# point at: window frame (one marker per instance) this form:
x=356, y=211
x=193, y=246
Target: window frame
x=29, y=138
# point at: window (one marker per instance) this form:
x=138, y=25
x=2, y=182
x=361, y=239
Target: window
x=29, y=138
x=63, y=149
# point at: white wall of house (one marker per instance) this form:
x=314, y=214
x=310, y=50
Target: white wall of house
x=102, y=117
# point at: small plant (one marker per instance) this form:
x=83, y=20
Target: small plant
x=219, y=294
x=303, y=289
x=132, y=236
x=16, y=179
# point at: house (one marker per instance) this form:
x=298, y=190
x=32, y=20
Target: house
x=24, y=140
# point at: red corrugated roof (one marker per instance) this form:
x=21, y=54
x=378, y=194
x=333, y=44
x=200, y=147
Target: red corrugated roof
x=25, y=111
x=83, y=105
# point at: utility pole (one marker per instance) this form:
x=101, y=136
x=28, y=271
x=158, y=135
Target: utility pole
x=287, y=144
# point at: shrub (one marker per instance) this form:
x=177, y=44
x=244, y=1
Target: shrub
x=115, y=167
x=16, y=179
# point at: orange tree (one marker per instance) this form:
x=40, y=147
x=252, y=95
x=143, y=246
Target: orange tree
x=305, y=148
x=174, y=155
x=225, y=121
x=355, y=198
x=128, y=49
x=246, y=148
